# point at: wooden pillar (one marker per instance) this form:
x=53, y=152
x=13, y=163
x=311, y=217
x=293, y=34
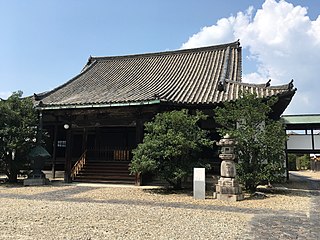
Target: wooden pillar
x=312, y=139
x=39, y=140
x=286, y=157
x=97, y=143
x=287, y=162
x=54, y=150
x=139, y=131
x=84, y=140
x=139, y=139
x=68, y=158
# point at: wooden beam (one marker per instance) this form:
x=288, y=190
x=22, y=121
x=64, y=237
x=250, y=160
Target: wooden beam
x=54, y=150
x=139, y=130
x=67, y=167
x=84, y=139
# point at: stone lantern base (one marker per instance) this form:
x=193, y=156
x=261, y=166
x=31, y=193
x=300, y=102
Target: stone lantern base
x=35, y=181
x=228, y=189
x=36, y=178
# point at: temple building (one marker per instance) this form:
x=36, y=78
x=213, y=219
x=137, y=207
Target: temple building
x=95, y=119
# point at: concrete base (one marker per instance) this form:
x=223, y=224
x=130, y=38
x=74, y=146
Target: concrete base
x=228, y=197
x=35, y=181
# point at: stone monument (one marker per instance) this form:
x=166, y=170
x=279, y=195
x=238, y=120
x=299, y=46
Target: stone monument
x=199, y=183
x=228, y=187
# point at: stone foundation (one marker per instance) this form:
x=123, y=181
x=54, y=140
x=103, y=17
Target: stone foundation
x=228, y=189
x=228, y=197
x=35, y=181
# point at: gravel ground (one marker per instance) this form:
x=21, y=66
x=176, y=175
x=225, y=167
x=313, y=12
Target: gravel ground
x=80, y=211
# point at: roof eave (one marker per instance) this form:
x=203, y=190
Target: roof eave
x=42, y=107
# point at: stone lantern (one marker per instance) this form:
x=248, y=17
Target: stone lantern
x=228, y=187
x=37, y=155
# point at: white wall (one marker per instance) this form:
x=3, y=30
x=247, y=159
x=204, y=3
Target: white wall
x=301, y=142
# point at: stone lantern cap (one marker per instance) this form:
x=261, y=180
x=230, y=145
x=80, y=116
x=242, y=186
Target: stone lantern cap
x=39, y=152
x=226, y=141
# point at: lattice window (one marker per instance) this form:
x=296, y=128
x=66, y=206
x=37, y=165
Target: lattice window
x=62, y=144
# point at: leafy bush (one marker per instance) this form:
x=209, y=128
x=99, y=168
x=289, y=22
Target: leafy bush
x=304, y=162
x=171, y=146
x=292, y=165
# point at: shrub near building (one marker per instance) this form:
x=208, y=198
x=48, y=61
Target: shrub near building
x=171, y=146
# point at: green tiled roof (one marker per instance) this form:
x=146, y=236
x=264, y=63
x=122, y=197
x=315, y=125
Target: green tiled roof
x=302, y=119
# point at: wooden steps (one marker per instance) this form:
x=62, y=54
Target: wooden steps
x=105, y=172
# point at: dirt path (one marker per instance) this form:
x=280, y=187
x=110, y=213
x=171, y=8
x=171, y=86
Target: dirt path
x=289, y=225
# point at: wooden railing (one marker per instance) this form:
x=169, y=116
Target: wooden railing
x=77, y=167
x=121, y=155
x=110, y=154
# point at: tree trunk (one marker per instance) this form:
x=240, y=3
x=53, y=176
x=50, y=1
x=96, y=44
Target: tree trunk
x=12, y=171
x=175, y=184
x=178, y=184
x=13, y=174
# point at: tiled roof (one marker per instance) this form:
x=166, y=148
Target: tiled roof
x=205, y=75
x=302, y=119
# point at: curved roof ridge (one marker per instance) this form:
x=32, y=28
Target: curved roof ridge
x=39, y=97
x=170, y=52
x=260, y=85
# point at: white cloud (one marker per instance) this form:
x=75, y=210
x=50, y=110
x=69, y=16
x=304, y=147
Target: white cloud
x=283, y=43
x=222, y=32
x=219, y=33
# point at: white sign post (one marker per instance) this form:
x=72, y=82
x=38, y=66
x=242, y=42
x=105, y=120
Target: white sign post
x=199, y=183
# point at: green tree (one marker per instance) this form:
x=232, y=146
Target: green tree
x=260, y=139
x=18, y=122
x=304, y=162
x=292, y=162
x=171, y=146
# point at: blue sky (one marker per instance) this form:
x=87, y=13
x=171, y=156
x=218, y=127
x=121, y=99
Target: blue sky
x=44, y=43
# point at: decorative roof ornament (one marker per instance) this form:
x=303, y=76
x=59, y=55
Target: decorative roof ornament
x=89, y=60
x=221, y=86
x=36, y=97
x=268, y=83
x=290, y=86
x=156, y=96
